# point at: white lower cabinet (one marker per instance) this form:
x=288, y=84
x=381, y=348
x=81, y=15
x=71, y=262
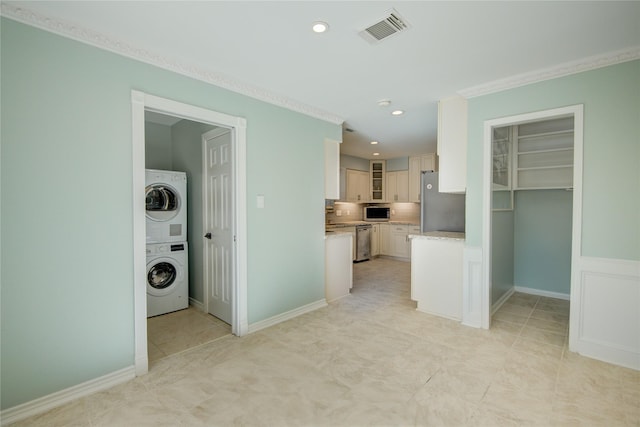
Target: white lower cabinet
x=436, y=276
x=338, y=267
x=375, y=240
x=385, y=238
x=399, y=242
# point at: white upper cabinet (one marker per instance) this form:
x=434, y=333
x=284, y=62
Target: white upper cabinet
x=417, y=164
x=331, y=169
x=357, y=186
x=378, y=184
x=452, y=144
x=398, y=186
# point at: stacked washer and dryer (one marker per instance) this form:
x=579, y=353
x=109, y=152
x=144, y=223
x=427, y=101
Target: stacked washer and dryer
x=167, y=249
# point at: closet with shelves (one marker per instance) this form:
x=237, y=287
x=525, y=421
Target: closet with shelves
x=532, y=179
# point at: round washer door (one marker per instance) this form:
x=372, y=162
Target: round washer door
x=162, y=274
x=162, y=202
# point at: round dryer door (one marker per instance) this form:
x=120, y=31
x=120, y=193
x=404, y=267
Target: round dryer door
x=162, y=202
x=161, y=275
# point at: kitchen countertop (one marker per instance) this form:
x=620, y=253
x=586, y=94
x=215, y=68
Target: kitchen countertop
x=354, y=223
x=438, y=235
x=336, y=235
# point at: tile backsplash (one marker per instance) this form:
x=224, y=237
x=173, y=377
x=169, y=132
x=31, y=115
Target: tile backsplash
x=348, y=212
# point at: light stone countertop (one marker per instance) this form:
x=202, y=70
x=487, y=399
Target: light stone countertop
x=337, y=235
x=354, y=223
x=438, y=235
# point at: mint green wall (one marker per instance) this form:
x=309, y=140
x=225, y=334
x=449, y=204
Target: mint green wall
x=67, y=297
x=397, y=164
x=502, y=254
x=611, y=206
x=543, y=240
x=352, y=162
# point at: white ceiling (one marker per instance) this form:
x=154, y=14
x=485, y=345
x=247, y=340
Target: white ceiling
x=268, y=47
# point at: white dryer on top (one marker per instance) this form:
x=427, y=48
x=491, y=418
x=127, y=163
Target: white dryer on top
x=166, y=206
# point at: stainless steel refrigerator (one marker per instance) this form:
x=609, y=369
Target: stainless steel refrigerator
x=440, y=211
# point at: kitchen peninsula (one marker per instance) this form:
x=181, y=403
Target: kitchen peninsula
x=436, y=273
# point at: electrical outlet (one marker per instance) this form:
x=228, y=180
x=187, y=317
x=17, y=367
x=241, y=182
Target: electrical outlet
x=393, y=211
x=338, y=212
x=348, y=213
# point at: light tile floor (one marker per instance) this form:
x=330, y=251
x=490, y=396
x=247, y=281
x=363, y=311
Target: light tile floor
x=371, y=359
x=174, y=332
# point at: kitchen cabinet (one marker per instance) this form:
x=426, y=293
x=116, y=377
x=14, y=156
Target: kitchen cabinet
x=417, y=164
x=436, y=275
x=357, y=186
x=375, y=240
x=338, y=266
x=385, y=239
x=452, y=144
x=331, y=169
x=399, y=245
x=377, y=173
x=398, y=186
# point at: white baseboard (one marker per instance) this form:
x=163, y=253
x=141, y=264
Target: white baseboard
x=496, y=305
x=196, y=304
x=59, y=398
x=542, y=293
x=262, y=324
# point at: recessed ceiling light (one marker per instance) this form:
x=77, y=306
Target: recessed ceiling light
x=319, y=27
x=384, y=102
x=397, y=112
x=376, y=154
x=374, y=142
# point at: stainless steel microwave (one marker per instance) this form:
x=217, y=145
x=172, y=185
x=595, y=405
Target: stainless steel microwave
x=376, y=213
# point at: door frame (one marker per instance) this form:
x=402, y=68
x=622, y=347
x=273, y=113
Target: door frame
x=141, y=101
x=577, y=111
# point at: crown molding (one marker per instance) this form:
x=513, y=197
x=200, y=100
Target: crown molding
x=568, y=68
x=120, y=47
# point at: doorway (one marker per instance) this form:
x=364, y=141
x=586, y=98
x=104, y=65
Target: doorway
x=489, y=201
x=236, y=128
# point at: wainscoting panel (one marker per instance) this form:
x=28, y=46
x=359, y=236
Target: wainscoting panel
x=472, y=298
x=605, y=311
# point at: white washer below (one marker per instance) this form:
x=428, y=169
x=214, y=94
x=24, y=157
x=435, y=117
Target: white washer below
x=167, y=278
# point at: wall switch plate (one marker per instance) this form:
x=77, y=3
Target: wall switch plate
x=338, y=212
x=260, y=201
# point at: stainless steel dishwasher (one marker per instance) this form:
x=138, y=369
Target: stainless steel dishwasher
x=363, y=242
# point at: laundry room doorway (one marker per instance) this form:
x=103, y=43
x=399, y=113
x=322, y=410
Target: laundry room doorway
x=226, y=128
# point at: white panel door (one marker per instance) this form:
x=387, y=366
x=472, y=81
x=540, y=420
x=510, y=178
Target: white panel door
x=218, y=222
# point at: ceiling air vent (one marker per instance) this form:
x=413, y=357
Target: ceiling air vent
x=392, y=24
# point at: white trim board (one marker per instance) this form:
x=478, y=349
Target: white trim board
x=496, y=305
x=59, y=398
x=102, y=41
x=140, y=102
x=561, y=70
x=577, y=112
x=541, y=293
x=282, y=317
